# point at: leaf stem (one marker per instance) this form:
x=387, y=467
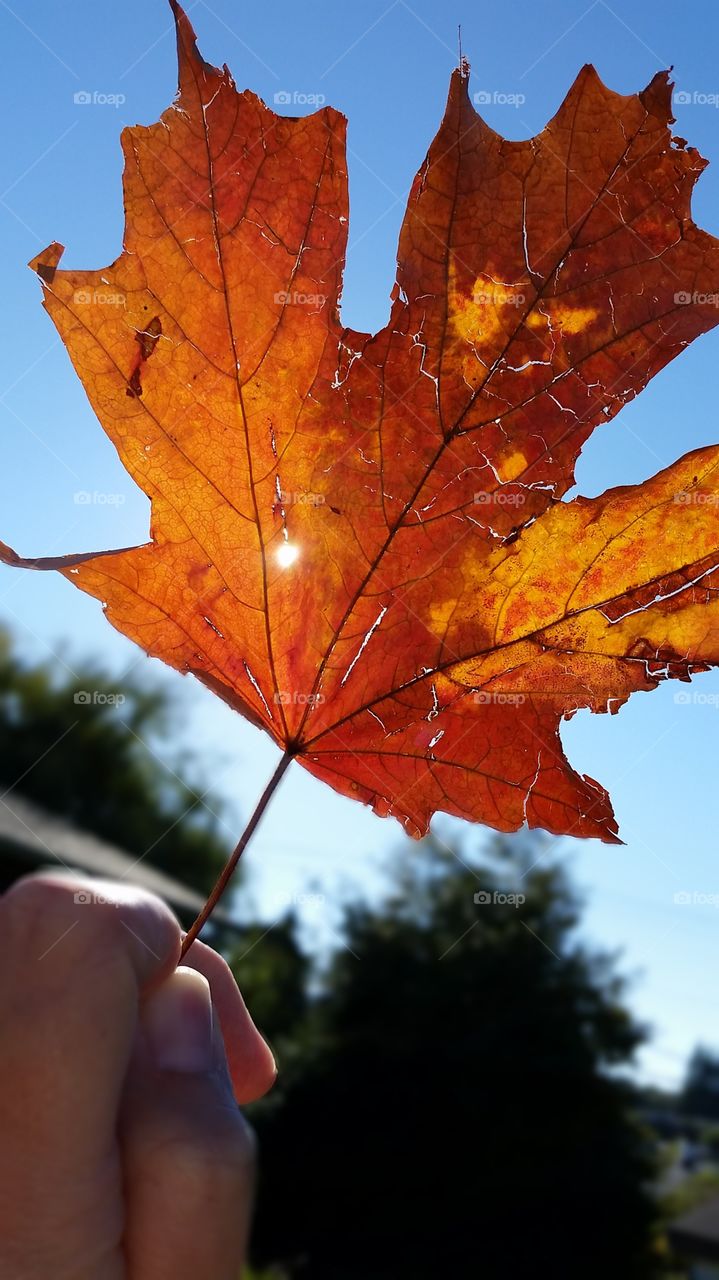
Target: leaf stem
x=229, y=867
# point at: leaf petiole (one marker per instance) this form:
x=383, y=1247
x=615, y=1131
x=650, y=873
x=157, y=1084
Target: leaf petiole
x=229, y=867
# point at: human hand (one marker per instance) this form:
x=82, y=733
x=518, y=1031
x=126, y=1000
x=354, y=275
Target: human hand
x=123, y=1155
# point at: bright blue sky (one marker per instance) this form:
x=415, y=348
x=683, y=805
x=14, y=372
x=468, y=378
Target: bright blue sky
x=386, y=65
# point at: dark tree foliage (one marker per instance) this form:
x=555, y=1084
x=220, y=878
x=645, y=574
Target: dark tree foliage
x=67, y=744
x=452, y=1112
x=274, y=972
x=700, y=1094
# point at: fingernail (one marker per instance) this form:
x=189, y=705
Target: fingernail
x=177, y=1020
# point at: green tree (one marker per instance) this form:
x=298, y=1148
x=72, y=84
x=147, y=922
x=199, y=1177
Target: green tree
x=89, y=761
x=455, y=1109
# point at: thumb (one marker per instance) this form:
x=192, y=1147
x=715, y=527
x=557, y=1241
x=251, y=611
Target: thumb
x=188, y=1154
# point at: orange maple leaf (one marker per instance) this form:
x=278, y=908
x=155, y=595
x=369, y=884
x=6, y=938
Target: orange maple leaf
x=357, y=540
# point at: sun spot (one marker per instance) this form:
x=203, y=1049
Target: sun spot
x=287, y=554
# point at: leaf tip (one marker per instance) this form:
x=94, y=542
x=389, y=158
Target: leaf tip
x=458, y=97
x=614, y=838
x=183, y=27
x=657, y=97
x=8, y=556
x=45, y=264
x=187, y=51
x=459, y=80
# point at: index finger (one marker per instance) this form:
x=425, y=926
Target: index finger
x=249, y=1058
